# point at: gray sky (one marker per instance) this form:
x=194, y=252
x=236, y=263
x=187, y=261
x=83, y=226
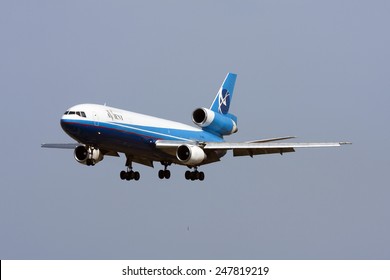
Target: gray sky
x=315, y=69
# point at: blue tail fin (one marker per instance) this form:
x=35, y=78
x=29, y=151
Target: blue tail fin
x=224, y=96
x=217, y=119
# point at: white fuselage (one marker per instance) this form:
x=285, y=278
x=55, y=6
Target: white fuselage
x=131, y=133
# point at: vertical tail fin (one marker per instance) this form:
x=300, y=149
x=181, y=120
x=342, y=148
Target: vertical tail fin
x=224, y=96
x=217, y=119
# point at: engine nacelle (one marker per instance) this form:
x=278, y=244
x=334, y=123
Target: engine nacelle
x=190, y=155
x=87, y=155
x=214, y=122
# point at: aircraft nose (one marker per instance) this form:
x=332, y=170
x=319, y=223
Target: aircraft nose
x=64, y=123
x=68, y=125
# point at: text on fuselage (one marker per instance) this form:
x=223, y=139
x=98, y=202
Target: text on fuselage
x=114, y=116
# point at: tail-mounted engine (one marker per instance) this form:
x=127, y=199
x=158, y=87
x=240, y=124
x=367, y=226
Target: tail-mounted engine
x=190, y=155
x=214, y=122
x=87, y=155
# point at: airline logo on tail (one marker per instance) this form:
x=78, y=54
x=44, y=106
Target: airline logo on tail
x=221, y=103
x=224, y=101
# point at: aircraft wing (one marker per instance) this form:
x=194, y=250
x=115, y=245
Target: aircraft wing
x=271, y=139
x=258, y=148
x=61, y=145
x=251, y=148
x=74, y=146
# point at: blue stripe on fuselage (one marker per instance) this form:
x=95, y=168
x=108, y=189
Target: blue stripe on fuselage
x=86, y=131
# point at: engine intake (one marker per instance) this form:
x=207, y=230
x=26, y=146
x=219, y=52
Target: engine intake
x=190, y=154
x=87, y=155
x=214, y=122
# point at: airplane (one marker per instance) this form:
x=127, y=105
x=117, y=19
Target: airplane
x=102, y=131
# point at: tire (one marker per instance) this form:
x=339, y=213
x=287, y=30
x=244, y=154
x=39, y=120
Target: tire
x=123, y=175
x=129, y=175
x=161, y=174
x=196, y=175
x=136, y=175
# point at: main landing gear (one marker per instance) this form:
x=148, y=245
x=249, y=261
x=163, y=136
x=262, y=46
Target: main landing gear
x=194, y=175
x=129, y=174
x=164, y=173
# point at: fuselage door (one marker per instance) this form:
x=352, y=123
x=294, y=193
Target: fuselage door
x=95, y=118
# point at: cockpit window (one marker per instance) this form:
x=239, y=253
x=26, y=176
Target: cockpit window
x=78, y=113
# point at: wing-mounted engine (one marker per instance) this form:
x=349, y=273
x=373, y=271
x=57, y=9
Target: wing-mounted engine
x=214, y=122
x=190, y=155
x=87, y=155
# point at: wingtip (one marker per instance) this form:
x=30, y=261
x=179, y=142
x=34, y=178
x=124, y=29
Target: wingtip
x=345, y=143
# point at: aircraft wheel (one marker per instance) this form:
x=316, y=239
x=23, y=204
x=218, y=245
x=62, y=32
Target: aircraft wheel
x=201, y=176
x=167, y=174
x=129, y=175
x=161, y=174
x=193, y=176
x=136, y=175
x=123, y=174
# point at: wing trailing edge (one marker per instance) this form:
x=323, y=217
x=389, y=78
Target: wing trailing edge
x=259, y=148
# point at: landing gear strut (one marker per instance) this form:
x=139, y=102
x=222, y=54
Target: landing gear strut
x=194, y=175
x=129, y=174
x=164, y=173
